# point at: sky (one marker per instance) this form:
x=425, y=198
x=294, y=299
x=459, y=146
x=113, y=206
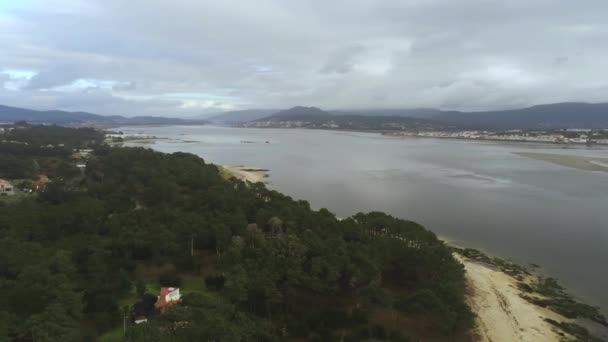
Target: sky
x=192, y=57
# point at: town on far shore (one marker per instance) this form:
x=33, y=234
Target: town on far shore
x=585, y=136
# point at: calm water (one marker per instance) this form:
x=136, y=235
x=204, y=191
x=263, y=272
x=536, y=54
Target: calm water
x=476, y=194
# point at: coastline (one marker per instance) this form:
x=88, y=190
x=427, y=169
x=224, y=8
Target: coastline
x=502, y=315
x=502, y=295
x=402, y=134
x=509, y=306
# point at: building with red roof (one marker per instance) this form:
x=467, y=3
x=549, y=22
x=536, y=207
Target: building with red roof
x=168, y=296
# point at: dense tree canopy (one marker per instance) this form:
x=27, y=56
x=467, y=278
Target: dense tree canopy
x=274, y=269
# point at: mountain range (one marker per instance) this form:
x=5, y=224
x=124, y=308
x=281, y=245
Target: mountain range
x=11, y=114
x=548, y=116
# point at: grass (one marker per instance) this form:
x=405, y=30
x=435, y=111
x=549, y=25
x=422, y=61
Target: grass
x=114, y=335
x=192, y=283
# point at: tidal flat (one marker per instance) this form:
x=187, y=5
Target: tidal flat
x=577, y=162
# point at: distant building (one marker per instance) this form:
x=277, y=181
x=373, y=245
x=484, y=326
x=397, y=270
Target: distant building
x=6, y=188
x=151, y=305
x=168, y=296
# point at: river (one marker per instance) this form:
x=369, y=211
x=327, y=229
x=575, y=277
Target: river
x=474, y=194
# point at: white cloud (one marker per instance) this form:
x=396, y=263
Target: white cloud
x=187, y=56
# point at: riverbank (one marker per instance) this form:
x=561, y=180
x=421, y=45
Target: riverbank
x=513, y=304
x=502, y=315
x=497, y=138
x=244, y=173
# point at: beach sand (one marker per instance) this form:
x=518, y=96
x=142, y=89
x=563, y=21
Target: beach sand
x=502, y=315
x=244, y=173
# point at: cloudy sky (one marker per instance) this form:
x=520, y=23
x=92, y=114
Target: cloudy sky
x=188, y=57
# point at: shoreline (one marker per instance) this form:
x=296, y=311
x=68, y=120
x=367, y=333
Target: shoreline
x=515, y=141
x=400, y=134
x=501, y=314
x=513, y=304
x=503, y=295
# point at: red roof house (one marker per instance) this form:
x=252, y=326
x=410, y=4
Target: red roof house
x=168, y=296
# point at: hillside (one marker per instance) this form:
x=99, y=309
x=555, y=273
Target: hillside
x=13, y=114
x=549, y=116
x=312, y=117
x=422, y=113
x=240, y=116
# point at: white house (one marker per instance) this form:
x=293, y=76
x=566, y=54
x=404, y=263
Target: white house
x=6, y=188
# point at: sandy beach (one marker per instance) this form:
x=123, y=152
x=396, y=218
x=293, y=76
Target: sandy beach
x=245, y=173
x=502, y=315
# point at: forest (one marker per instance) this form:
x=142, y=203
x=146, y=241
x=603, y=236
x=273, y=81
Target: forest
x=252, y=263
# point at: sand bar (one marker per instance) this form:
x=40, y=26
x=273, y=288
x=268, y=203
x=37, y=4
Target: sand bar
x=502, y=315
x=578, y=162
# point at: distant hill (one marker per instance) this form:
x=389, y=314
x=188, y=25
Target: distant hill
x=300, y=113
x=549, y=116
x=423, y=113
x=240, y=116
x=313, y=117
x=12, y=114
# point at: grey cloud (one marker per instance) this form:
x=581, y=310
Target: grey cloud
x=58, y=76
x=468, y=54
x=342, y=61
x=126, y=86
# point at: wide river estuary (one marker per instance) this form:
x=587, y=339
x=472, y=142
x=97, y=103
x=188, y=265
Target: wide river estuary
x=474, y=194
